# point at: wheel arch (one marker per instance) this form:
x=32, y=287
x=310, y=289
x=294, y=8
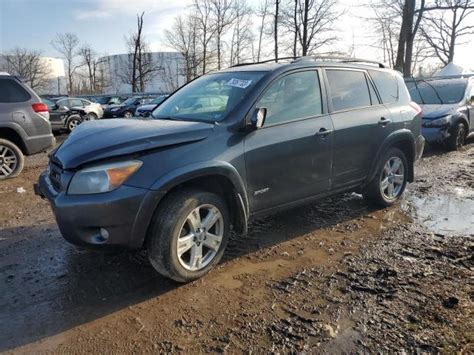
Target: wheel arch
x=217, y=177
x=14, y=135
x=405, y=141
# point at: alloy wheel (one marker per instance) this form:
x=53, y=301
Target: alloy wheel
x=73, y=124
x=393, y=178
x=8, y=161
x=200, y=237
x=127, y=114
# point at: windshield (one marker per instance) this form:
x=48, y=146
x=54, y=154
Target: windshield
x=129, y=101
x=435, y=92
x=209, y=98
x=102, y=100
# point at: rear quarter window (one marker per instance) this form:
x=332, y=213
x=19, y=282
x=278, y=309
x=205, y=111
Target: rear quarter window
x=11, y=91
x=387, y=85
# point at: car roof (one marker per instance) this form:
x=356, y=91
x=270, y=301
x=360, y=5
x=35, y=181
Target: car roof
x=303, y=62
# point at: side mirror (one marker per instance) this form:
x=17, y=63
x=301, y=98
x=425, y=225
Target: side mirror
x=55, y=107
x=472, y=100
x=65, y=108
x=258, y=118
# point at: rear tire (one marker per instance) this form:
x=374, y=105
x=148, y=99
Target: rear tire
x=183, y=244
x=11, y=160
x=457, y=138
x=390, y=181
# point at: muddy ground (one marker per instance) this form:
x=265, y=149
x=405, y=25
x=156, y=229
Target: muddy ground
x=337, y=276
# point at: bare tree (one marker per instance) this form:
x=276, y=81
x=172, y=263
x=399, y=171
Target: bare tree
x=182, y=38
x=276, y=18
x=141, y=67
x=262, y=12
x=206, y=29
x=66, y=44
x=443, y=29
x=29, y=66
x=242, y=35
x=91, y=61
x=223, y=16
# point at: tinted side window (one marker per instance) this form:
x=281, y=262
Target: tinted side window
x=291, y=97
x=11, y=91
x=387, y=85
x=348, y=89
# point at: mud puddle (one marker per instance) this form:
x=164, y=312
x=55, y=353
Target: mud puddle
x=446, y=213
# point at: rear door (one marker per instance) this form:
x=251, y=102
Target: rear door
x=361, y=123
x=289, y=158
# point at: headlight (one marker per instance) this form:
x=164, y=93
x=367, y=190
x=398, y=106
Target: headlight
x=115, y=109
x=102, y=178
x=439, y=122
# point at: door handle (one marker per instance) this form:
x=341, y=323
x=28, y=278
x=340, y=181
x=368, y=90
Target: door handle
x=323, y=132
x=384, y=121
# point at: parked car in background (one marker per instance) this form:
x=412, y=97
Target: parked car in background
x=126, y=109
x=147, y=109
x=258, y=139
x=24, y=125
x=448, y=108
x=93, y=110
x=63, y=117
x=108, y=100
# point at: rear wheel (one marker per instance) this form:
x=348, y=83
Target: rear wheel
x=11, y=160
x=188, y=235
x=458, y=137
x=91, y=116
x=390, y=181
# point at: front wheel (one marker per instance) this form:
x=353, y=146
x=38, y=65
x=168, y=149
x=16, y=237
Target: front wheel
x=189, y=233
x=11, y=160
x=128, y=114
x=390, y=181
x=457, y=138
x=73, y=122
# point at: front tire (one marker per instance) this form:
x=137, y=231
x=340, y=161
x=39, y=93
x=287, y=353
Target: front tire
x=73, y=122
x=457, y=138
x=189, y=233
x=390, y=181
x=11, y=160
x=128, y=114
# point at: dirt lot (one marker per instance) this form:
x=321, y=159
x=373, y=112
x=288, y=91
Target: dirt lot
x=337, y=276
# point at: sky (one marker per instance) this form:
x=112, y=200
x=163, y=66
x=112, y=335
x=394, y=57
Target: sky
x=103, y=24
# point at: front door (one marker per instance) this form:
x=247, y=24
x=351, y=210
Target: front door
x=290, y=157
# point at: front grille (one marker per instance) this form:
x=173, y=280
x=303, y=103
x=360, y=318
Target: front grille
x=55, y=175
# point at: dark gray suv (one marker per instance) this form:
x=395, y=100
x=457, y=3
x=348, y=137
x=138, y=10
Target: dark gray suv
x=229, y=147
x=24, y=125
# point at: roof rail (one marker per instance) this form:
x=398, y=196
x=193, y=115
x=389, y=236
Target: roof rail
x=339, y=59
x=276, y=60
x=456, y=76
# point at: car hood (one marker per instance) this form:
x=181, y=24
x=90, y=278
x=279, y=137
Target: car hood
x=436, y=111
x=95, y=140
x=146, y=107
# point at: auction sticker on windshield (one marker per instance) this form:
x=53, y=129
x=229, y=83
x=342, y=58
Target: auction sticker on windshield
x=238, y=83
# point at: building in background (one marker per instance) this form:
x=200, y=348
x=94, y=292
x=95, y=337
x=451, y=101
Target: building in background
x=166, y=73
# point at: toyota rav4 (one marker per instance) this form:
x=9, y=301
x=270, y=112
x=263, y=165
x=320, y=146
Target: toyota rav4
x=229, y=147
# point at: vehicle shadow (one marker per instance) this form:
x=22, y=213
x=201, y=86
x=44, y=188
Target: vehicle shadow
x=50, y=286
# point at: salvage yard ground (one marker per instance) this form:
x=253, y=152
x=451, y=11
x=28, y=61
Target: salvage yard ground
x=333, y=276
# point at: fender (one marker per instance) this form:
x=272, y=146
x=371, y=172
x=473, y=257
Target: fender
x=404, y=136
x=16, y=127
x=460, y=117
x=181, y=175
